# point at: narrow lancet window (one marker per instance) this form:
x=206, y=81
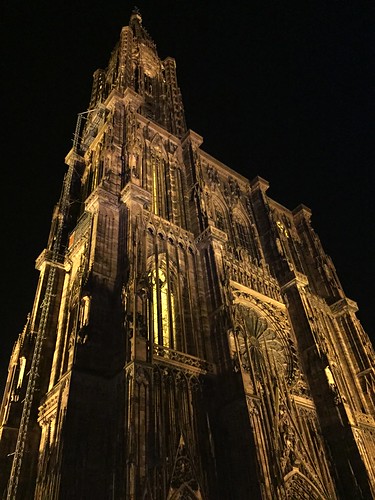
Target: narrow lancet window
x=21, y=373
x=164, y=310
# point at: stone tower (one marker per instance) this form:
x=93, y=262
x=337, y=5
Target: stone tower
x=189, y=337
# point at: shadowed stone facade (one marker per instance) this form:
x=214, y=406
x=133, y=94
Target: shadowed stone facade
x=190, y=337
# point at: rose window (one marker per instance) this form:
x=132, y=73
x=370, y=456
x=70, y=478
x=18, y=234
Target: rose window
x=260, y=345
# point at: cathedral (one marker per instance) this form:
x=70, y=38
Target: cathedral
x=189, y=337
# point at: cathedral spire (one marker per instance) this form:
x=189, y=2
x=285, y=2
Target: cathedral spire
x=136, y=14
x=135, y=64
x=139, y=31
x=189, y=337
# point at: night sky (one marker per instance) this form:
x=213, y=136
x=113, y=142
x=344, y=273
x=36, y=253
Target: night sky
x=284, y=90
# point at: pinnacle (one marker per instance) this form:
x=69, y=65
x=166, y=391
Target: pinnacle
x=136, y=14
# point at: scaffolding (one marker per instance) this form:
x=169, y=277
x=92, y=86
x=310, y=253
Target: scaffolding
x=45, y=309
x=86, y=130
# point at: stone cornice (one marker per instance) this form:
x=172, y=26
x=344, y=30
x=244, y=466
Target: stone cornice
x=73, y=157
x=193, y=137
x=343, y=306
x=101, y=196
x=158, y=129
x=136, y=194
x=302, y=212
x=132, y=99
x=238, y=287
x=211, y=234
x=259, y=183
x=182, y=360
x=45, y=258
x=300, y=281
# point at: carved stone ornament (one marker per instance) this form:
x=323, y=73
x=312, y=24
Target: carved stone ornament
x=299, y=486
x=141, y=376
x=300, y=388
x=253, y=406
x=232, y=191
x=261, y=347
x=183, y=483
x=213, y=177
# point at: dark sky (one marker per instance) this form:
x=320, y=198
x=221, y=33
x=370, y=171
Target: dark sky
x=284, y=90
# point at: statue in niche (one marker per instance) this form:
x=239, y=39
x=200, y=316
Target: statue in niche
x=232, y=191
x=213, y=177
x=131, y=127
x=233, y=352
x=82, y=335
x=208, y=206
x=134, y=155
x=71, y=341
x=141, y=326
x=287, y=440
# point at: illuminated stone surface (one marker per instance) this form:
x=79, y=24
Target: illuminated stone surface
x=199, y=344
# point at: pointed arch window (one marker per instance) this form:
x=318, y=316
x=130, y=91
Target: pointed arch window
x=220, y=218
x=243, y=234
x=161, y=186
x=158, y=174
x=163, y=308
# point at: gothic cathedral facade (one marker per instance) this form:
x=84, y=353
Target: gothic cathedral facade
x=189, y=338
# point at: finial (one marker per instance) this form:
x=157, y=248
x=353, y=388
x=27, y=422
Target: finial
x=136, y=13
